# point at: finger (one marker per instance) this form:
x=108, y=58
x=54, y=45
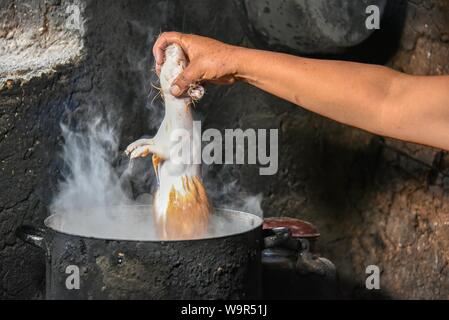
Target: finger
x=191, y=74
x=224, y=80
x=164, y=40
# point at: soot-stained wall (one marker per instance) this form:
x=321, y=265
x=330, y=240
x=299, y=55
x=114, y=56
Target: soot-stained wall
x=107, y=72
x=375, y=200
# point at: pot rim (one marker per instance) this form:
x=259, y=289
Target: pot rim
x=258, y=222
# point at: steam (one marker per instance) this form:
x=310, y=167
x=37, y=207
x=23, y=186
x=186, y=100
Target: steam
x=89, y=178
x=225, y=192
x=92, y=199
x=94, y=196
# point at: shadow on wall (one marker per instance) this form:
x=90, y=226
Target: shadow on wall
x=380, y=47
x=321, y=29
x=328, y=173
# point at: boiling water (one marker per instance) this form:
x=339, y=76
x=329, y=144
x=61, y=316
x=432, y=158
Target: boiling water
x=136, y=223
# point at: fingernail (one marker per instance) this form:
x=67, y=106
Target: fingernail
x=175, y=90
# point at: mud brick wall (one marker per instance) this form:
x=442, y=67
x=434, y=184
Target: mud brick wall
x=404, y=217
x=102, y=69
x=375, y=200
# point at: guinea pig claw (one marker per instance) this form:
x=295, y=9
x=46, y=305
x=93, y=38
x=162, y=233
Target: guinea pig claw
x=139, y=148
x=196, y=92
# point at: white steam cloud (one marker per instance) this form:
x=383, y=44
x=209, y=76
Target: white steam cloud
x=92, y=199
x=89, y=179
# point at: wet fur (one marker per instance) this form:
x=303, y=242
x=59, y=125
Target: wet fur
x=181, y=205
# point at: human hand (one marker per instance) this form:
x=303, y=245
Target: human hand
x=209, y=60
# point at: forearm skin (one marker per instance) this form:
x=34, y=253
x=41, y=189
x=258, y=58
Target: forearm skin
x=370, y=97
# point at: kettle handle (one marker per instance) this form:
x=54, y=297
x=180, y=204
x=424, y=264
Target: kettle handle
x=32, y=235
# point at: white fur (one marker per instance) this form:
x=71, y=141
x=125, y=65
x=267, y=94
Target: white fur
x=178, y=115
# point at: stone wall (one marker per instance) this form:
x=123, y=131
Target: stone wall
x=405, y=226
x=375, y=200
x=109, y=73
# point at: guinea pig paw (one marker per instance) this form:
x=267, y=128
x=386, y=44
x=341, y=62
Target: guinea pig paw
x=140, y=152
x=196, y=92
x=139, y=143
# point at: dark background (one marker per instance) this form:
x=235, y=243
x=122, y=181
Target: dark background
x=374, y=200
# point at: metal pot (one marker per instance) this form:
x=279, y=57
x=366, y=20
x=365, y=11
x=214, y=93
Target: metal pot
x=308, y=26
x=79, y=266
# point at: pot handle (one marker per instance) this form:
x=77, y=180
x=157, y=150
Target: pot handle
x=31, y=235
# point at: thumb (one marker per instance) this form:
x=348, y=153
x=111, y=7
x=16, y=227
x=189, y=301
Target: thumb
x=191, y=74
